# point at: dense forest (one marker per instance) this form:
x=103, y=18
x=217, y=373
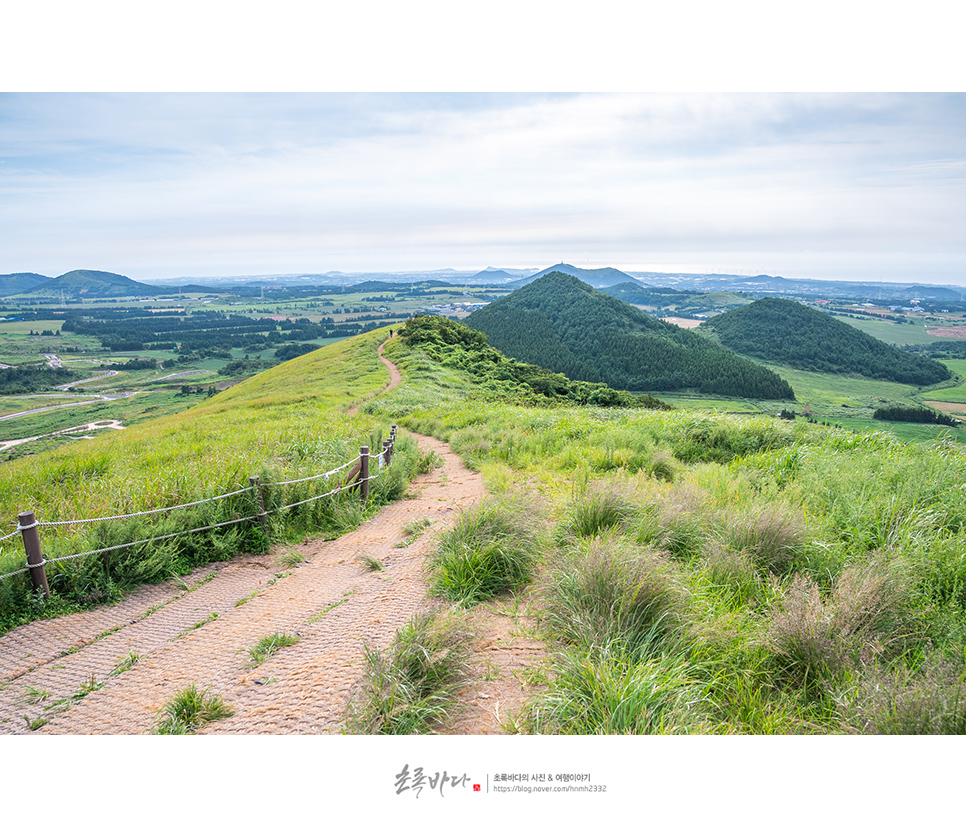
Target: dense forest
x=790, y=333
x=913, y=414
x=456, y=345
x=561, y=323
x=135, y=329
x=27, y=379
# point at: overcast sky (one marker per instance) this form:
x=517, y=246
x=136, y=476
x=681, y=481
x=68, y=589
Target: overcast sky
x=861, y=186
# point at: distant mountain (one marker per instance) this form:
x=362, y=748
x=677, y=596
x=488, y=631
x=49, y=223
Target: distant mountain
x=20, y=282
x=561, y=323
x=89, y=283
x=490, y=275
x=789, y=333
x=604, y=277
x=764, y=285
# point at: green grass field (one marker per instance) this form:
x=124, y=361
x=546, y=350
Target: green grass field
x=894, y=333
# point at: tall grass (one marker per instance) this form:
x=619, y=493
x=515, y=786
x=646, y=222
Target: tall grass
x=493, y=547
x=605, y=695
x=814, y=561
x=608, y=597
x=410, y=687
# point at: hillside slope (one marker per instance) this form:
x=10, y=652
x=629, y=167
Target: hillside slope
x=91, y=283
x=561, y=323
x=790, y=333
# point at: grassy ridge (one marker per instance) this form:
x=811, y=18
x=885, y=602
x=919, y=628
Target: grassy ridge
x=287, y=423
x=722, y=573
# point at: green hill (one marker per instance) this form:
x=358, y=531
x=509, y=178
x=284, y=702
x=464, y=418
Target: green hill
x=561, y=323
x=20, y=282
x=90, y=283
x=789, y=333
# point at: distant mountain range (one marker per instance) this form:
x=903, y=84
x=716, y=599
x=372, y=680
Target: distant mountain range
x=85, y=283
x=563, y=324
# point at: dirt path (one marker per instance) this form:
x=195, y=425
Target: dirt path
x=199, y=630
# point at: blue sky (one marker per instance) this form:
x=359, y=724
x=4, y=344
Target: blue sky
x=859, y=186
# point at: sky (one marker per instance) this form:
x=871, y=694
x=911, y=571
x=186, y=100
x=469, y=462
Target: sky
x=152, y=185
x=253, y=181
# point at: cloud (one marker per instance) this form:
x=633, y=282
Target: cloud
x=155, y=184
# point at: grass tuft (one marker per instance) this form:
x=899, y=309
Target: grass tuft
x=269, y=645
x=410, y=687
x=601, y=507
x=189, y=710
x=610, y=597
x=493, y=548
x=594, y=696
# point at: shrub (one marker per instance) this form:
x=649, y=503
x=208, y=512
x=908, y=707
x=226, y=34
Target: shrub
x=493, y=548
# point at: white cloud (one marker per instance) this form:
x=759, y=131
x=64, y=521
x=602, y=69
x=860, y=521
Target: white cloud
x=151, y=185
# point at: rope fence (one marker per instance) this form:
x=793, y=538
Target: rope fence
x=358, y=477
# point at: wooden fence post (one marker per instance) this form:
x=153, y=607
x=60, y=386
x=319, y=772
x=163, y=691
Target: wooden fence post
x=35, y=557
x=364, y=472
x=262, y=516
x=386, y=451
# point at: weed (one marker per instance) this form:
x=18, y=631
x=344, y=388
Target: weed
x=35, y=723
x=125, y=663
x=268, y=645
x=189, y=710
x=370, y=563
x=413, y=530
x=243, y=600
x=344, y=598
x=212, y=616
x=290, y=559
x=410, y=687
x=427, y=462
x=86, y=688
x=34, y=696
x=492, y=548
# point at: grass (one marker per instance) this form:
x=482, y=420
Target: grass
x=189, y=710
x=125, y=663
x=798, y=573
x=269, y=645
x=609, y=599
x=285, y=424
x=411, y=686
x=371, y=563
x=595, y=696
x=493, y=548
